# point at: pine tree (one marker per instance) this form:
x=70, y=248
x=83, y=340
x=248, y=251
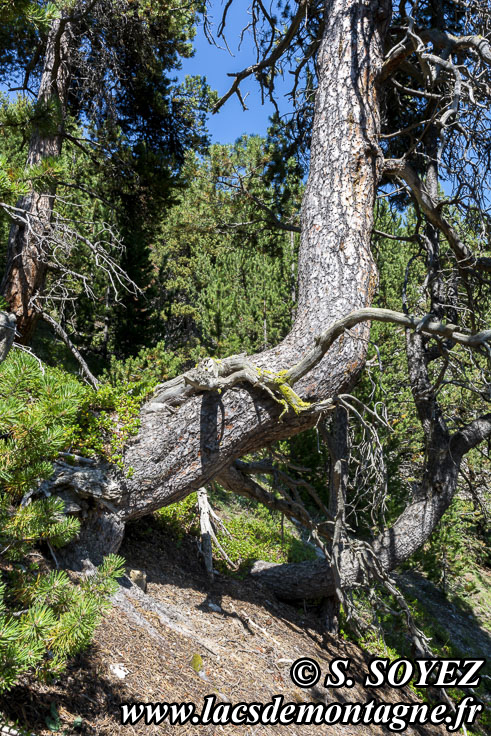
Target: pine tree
x=227, y=250
x=44, y=617
x=112, y=97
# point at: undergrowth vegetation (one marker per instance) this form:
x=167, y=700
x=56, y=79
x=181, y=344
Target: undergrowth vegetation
x=48, y=415
x=45, y=617
x=455, y=627
x=250, y=532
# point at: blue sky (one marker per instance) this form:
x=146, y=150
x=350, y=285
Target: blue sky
x=213, y=63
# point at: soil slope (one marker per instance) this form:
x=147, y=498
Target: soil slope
x=183, y=640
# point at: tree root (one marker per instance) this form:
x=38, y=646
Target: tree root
x=135, y=603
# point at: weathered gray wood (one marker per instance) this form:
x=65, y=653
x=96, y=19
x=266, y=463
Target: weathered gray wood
x=7, y=333
x=206, y=532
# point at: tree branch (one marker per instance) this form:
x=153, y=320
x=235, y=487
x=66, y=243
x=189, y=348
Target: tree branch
x=440, y=40
x=280, y=48
x=429, y=327
x=400, y=169
x=472, y=434
x=76, y=354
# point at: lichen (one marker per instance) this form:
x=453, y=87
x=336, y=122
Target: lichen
x=289, y=398
x=292, y=398
x=197, y=662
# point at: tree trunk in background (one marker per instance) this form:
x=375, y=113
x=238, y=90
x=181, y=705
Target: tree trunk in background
x=7, y=333
x=25, y=273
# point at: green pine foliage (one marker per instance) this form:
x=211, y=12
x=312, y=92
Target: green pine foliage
x=38, y=407
x=459, y=545
x=20, y=11
x=227, y=273
x=222, y=276
x=44, y=617
x=58, y=619
x=126, y=128
x=150, y=366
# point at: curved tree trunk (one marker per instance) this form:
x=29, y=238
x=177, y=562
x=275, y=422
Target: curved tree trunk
x=191, y=433
x=177, y=452
x=27, y=254
x=395, y=545
x=390, y=549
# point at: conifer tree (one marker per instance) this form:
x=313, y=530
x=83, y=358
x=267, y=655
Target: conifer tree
x=44, y=617
x=100, y=73
x=227, y=251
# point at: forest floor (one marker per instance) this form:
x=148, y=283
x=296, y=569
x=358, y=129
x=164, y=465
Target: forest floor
x=466, y=619
x=183, y=640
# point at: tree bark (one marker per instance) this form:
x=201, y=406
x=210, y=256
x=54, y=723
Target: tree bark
x=339, y=450
x=180, y=448
x=177, y=452
x=7, y=333
x=26, y=269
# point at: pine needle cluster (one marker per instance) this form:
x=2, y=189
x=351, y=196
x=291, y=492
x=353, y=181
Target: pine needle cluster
x=45, y=617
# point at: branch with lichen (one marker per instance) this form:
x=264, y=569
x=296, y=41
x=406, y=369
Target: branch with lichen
x=220, y=375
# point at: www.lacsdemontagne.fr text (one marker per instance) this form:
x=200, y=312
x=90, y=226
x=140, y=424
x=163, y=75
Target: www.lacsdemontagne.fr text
x=395, y=716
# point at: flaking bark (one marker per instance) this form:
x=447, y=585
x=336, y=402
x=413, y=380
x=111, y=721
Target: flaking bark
x=26, y=269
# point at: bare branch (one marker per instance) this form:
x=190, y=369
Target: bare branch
x=431, y=327
x=399, y=168
x=255, y=69
x=76, y=354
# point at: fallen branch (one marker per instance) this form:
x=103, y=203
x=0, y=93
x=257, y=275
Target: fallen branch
x=206, y=531
x=208, y=535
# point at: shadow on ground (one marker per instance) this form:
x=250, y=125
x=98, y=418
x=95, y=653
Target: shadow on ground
x=231, y=639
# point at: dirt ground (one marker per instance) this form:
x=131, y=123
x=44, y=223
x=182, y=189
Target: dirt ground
x=183, y=640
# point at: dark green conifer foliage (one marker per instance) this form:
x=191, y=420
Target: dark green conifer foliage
x=127, y=125
x=227, y=270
